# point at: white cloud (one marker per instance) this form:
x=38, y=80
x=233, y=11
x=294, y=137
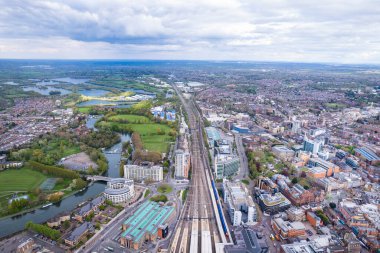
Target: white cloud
x=324, y=30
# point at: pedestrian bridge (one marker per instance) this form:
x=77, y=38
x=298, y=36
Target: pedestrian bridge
x=98, y=178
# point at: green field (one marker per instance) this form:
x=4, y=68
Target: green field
x=20, y=180
x=155, y=136
x=130, y=118
x=85, y=110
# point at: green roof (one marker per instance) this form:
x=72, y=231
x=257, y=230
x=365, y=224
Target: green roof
x=147, y=219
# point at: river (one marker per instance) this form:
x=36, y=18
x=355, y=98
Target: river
x=17, y=223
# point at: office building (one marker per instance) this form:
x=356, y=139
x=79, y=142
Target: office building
x=283, y=153
x=312, y=146
x=241, y=208
x=141, y=173
x=287, y=229
x=302, y=247
x=226, y=166
x=296, y=214
x=119, y=190
x=329, y=167
x=273, y=203
x=182, y=164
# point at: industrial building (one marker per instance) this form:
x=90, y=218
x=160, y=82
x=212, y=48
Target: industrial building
x=148, y=223
x=119, y=190
x=241, y=208
x=140, y=173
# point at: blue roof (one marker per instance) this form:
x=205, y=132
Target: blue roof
x=213, y=133
x=367, y=154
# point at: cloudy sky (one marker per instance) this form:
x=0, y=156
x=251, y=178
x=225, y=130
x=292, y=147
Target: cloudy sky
x=342, y=31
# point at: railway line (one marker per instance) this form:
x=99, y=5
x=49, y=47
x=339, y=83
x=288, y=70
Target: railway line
x=198, y=228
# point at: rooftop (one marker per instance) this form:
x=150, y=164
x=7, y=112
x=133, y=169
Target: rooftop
x=146, y=219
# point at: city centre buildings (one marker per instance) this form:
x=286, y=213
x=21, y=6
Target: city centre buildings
x=240, y=205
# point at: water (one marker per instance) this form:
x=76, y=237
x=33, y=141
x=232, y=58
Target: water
x=46, y=90
x=116, y=104
x=90, y=123
x=71, y=80
x=44, y=83
x=12, y=225
x=115, y=156
x=94, y=92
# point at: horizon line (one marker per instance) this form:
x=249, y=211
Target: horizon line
x=188, y=60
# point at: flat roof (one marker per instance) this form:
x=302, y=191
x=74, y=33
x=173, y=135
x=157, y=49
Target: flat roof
x=146, y=219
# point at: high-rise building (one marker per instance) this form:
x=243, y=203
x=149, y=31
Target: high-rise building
x=135, y=172
x=182, y=164
x=312, y=146
x=296, y=126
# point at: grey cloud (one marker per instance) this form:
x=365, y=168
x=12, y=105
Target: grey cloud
x=322, y=30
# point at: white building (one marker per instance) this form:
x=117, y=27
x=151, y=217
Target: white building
x=119, y=190
x=136, y=172
x=182, y=164
x=241, y=207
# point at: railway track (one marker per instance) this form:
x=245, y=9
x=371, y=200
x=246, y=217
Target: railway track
x=196, y=230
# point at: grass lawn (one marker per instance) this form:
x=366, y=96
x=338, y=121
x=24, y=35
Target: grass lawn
x=152, y=141
x=62, y=185
x=85, y=110
x=164, y=188
x=335, y=105
x=130, y=118
x=20, y=180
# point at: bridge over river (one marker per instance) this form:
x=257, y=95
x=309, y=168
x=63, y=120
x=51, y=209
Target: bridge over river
x=99, y=178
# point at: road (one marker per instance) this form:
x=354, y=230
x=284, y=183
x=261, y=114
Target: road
x=196, y=230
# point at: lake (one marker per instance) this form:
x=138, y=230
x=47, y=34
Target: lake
x=45, y=91
x=93, y=92
x=71, y=80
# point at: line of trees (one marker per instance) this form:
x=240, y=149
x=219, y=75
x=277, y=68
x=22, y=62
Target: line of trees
x=44, y=230
x=52, y=170
x=140, y=154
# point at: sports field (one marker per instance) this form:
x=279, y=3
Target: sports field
x=20, y=180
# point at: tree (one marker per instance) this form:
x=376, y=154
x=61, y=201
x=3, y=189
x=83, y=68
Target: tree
x=66, y=224
x=294, y=180
x=303, y=174
x=332, y=205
